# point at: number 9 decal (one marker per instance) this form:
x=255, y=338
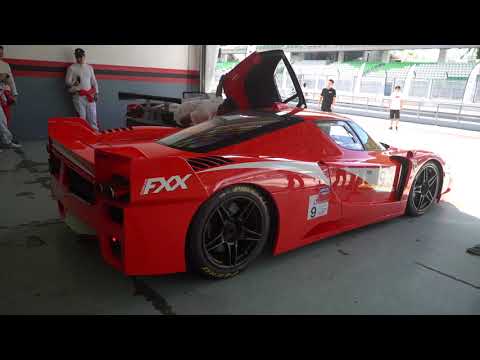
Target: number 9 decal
x=316, y=208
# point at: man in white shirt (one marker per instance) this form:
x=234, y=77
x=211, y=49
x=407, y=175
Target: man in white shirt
x=6, y=80
x=83, y=85
x=396, y=103
x=5, y=69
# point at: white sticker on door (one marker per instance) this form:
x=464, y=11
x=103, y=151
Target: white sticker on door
x=316, y=208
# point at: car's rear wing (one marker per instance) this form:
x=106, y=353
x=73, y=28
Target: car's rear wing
x=73, y=139
x=194, y=95
x=186, y=95
x=70, y=130
x=70, y=138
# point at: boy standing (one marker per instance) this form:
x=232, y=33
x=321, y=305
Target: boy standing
x=396, y=103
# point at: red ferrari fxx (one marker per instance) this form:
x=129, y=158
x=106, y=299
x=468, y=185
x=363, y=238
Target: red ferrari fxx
x=209, y=198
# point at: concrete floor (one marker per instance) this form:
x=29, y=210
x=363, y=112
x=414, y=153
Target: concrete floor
x=403, y=266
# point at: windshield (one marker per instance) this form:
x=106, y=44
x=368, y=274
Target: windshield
x=222, y=131
x=284, y=83
x=349, y=135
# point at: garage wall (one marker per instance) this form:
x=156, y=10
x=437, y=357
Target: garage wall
x=39, y=72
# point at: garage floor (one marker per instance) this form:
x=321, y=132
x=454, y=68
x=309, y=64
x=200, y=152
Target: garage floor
x=403, y=266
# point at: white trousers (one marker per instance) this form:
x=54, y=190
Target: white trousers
x=5, y=134
x=86, y=110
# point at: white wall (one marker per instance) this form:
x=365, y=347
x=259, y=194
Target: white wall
x=211, y=61
x=184, y=57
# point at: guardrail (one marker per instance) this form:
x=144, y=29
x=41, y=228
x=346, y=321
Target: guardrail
x=436, y=109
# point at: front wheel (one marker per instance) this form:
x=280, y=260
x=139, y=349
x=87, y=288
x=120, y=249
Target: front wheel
x=228, y=232
x=424, y=191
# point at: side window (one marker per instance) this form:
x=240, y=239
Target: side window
x=284, y=81
x=368, y=143
x=341, y=134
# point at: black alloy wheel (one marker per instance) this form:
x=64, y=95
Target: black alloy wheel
x=424, y=189
x=229, y=232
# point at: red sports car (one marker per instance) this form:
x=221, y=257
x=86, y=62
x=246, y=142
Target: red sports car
x=209, y=198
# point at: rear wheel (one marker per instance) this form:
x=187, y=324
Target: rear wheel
x=229, y=232
x=424, y=189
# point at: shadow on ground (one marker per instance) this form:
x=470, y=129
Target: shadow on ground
x=402, y=266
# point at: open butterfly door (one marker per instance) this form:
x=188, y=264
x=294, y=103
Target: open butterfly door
x=262, y=80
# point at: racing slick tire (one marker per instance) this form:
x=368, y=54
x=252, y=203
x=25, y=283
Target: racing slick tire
x=228, y=232
x=424, y=191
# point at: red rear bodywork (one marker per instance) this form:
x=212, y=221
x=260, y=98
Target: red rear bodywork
x=139, y=196
x=150, y=227
x=78, y=155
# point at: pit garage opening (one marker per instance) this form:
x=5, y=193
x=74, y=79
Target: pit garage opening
x=403, y=265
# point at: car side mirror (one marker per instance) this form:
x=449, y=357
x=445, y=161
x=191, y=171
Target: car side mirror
x=385, y=145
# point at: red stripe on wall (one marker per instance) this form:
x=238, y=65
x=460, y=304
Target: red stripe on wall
x=101, y=66
x=38, y=74
x=147, y=79
x=144, y=69
x=46, y=74
x=57, y=73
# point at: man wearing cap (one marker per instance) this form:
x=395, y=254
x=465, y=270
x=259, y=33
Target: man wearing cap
x=83, y=86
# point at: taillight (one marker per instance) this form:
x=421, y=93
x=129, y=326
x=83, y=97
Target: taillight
x=116, y=246
x=116, y=192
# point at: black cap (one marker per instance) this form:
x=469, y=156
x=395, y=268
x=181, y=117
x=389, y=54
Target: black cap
x=79, y=52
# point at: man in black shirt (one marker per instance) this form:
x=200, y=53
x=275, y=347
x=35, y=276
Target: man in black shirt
x=328, y=97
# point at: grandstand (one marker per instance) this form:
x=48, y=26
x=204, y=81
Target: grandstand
x=443, y=71
x=419, y=81
x=314, y=75
x=443, y=93
x=397, y=70
x=372, y=68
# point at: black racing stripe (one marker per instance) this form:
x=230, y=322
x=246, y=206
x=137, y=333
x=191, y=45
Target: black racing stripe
x=37, y=68
x=16, y=67
x=194, y=142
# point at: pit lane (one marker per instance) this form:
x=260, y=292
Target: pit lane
x=403, y=266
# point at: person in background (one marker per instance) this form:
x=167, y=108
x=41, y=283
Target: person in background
x=6, y=137
x=8, y=96
x=83, y=86
x=5, y=69
x=328, y=97
x=305, y=90
x=396, y=103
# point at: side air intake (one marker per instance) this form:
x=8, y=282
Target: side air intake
x=202, y=163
